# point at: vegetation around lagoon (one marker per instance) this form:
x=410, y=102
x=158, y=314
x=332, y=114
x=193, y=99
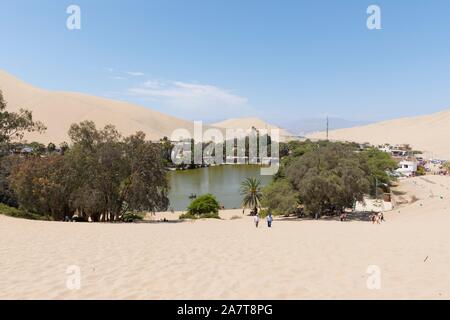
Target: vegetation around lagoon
x=20, y=213
x=100, y=178
x=251, y=192
x=230, y=149
x=104, y=176
x=205, y=206
x=318, y=178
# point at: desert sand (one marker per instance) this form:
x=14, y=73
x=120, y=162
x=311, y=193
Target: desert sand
x=58, y=110
x=231, y=259
x=249, y=123
x=427, y=133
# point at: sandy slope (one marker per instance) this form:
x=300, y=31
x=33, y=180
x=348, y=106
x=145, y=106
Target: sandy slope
x=426, y=133
x=233, y=259
x=58, y=110
x=249, y=123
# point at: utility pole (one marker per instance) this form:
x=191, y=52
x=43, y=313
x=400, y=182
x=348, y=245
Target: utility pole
x=327, y=127
x=376, y=188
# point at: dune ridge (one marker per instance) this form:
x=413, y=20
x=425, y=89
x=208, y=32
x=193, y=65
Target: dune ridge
x=427, y=133
x=58, y=110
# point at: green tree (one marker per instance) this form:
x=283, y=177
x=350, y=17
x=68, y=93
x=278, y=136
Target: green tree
x=13, y=125
x=329, y=178
x=166, y=149
x=251, y=190
x=51, y=147
x=379, y=163
x=98, y=166
x=204, y=205
x=108, y=172
x=7, y=194
x=146, y=186
x=38, y=183
x=63, y=146
x=38, y=148
x=280, y=198
x=99, y=177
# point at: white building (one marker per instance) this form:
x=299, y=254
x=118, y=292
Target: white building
x=407, y=168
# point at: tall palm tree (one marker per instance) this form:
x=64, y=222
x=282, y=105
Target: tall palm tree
x=251, y=190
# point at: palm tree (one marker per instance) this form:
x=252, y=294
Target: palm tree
x=251, y=190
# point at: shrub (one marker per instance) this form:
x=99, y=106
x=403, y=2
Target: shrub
x=186, y=216
x=132, y=216
x=421, y=171
x=204, y=206
x=19, y=213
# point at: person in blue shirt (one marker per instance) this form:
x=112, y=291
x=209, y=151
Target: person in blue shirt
x=269, y=220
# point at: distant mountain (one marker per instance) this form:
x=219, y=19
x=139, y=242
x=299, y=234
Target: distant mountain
x=429, y=133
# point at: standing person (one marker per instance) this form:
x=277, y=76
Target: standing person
x=256, y=220
x=269, y=220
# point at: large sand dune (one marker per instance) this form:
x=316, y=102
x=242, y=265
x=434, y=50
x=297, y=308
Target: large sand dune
x=58, y=110
x=231, y=259
x=249, y=123
x=425, y=133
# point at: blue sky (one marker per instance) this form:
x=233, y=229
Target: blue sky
x=214, y=59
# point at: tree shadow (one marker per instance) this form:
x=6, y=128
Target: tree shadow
x=363, y=216
x=159, y=221
x=398, y=192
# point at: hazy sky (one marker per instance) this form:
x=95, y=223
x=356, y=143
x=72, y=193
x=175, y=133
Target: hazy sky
x=214, y=59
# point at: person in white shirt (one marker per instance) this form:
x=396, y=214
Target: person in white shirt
x=256, y=220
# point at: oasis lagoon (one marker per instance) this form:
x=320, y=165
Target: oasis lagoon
x=224, y=182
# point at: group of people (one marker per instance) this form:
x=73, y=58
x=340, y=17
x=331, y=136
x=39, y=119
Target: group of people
x=378, y=218
x=269, y=220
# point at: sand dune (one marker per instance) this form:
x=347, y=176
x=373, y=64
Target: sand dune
x=426, y=133
x=58, y=110
x=249, y=123
x=231, y=259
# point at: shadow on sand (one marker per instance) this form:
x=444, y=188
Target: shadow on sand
x=354, y=216
x=160, y=221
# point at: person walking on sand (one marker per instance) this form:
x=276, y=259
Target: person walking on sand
x=256, y=220
x=269, y=220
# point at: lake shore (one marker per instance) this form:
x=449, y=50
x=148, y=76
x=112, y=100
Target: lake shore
x=231, y=259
